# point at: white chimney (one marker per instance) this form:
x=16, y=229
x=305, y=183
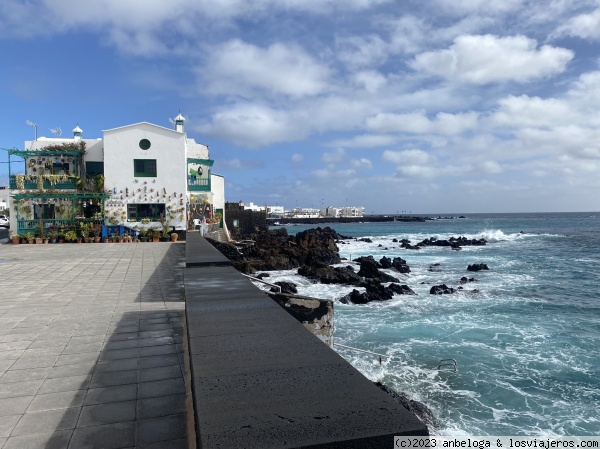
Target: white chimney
x=77, y=131
x=179, y=121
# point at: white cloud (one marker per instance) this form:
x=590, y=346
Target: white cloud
x=408, y=157
x=361, y=51
x=117, y=18
x=361, y=163
x=478, y=6
x=585, y=26
x=525, y=111
x=329, y=174
x=489, y=59
x=297, y=157
x=416, y=171
x=237, y=67
x=491, y=167
x=334, y=157
x=370, y=80
x=365, y=141
x=252, y=125
x=418, y=123
x=586, y=91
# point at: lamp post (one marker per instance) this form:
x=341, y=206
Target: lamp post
x=34, y=125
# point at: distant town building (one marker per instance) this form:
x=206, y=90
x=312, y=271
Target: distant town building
x=304, y=212
x=275, y=211
x=253, y=207
x=348, y=211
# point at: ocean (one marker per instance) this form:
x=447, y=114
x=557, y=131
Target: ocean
x=526, y=344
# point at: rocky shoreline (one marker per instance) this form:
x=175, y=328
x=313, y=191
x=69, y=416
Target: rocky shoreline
x=314, y=252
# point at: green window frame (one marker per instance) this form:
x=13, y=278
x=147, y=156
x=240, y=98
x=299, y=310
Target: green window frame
x=94, y=168
x=144, y=168
x=137, y=212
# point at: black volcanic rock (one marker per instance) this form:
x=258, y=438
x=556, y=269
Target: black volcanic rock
x=286, y=287
x=330, y=275
x=276, y=250
x=477, y=267
x=375, y=292
x=369, y=268
x=442, y=289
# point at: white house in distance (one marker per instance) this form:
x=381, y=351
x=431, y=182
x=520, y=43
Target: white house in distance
x=149, y=172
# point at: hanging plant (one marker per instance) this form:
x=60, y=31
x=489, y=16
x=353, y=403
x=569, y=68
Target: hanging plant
x=20, y=181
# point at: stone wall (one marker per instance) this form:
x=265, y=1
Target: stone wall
x=248, y=222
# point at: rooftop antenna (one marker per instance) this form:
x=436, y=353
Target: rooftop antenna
x=34, y=125
x=56, y=131
x=172, y=121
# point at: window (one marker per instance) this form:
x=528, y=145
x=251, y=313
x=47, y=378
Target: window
x=94, y=168
x=144, y=144
x=144, y=167
x=135, y=212
x=60, y=168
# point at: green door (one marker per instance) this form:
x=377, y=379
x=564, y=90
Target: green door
x=220, y=211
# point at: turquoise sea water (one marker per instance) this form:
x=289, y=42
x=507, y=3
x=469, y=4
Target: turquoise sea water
x=527, y=344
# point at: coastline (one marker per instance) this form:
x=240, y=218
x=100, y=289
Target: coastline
x=333, y=221
x=514, y=339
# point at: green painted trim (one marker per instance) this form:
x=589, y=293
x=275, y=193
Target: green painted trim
x=199, y=188
x=206, y=162
x=34, y=153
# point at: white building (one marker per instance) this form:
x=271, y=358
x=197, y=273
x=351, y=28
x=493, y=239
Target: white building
x=275, y=211
x=348, y=211
x=253, y=207
x=149, y=172
x=305, y=212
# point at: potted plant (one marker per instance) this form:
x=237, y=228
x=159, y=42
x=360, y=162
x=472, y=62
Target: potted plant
x=96, y=233
x=53, y=234
x=30, y=237
x=174, y=236
x=71, y=236
x=84, y=232
x=16, y=238
x=155, y=236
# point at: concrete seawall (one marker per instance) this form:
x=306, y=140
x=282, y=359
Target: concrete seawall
x=260, y=379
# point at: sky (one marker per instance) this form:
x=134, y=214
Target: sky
x=420, y=106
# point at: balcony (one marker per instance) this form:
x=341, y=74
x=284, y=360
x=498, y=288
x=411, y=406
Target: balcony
x=196, y=184
x=31, y=184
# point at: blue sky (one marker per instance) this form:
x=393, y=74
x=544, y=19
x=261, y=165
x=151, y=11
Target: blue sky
x=423, y=106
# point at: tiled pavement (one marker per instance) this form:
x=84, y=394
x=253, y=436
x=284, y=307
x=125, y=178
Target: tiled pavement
x=91, y=346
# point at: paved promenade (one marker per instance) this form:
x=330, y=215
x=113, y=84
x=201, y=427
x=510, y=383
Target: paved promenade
x=90, y=346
